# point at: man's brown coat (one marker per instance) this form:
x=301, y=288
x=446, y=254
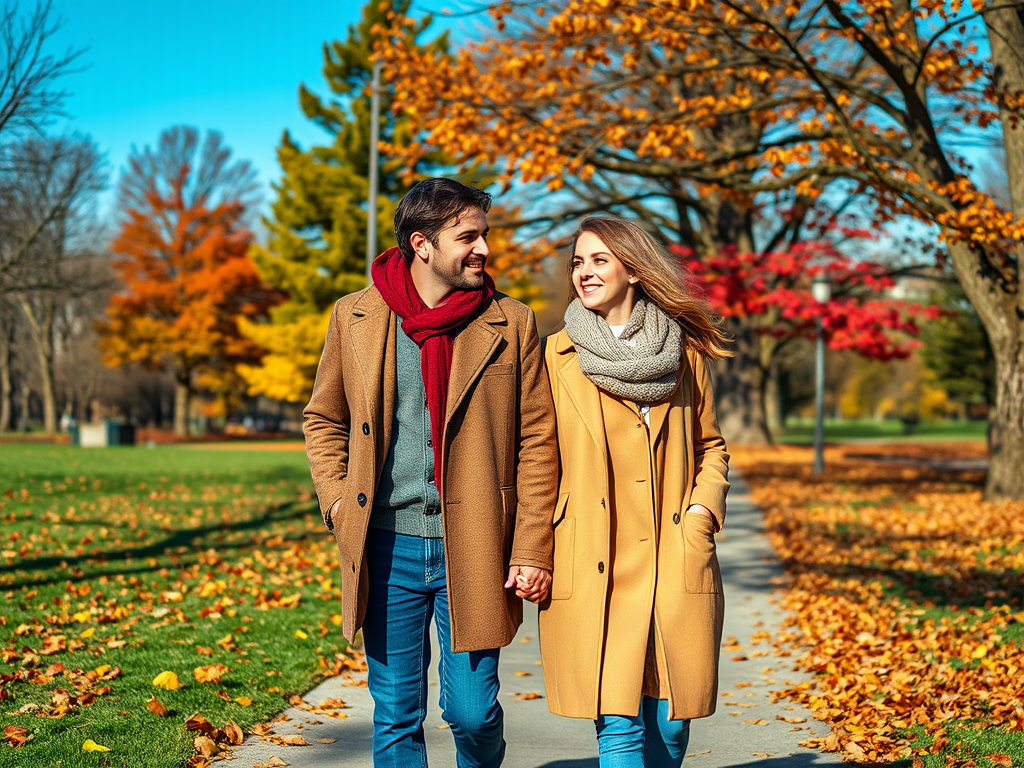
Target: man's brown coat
x=499, y=458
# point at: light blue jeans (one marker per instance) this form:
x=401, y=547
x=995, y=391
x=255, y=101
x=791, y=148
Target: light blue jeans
x=648, y=740
x=407, y=587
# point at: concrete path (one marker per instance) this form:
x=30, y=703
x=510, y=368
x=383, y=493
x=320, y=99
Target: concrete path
x=745, y=731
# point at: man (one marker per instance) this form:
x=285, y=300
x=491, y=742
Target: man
x=431, y=439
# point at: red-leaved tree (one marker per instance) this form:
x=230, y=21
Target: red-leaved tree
x=770, y=293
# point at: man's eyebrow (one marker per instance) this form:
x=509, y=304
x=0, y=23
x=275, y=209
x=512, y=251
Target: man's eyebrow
x=472, y=231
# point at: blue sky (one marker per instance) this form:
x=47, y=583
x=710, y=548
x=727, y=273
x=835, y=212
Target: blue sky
x=230, y=65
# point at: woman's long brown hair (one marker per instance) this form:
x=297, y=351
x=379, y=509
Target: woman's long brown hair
x=663, y=278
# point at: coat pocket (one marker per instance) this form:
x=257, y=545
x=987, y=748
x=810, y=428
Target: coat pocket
x=701, y=572
x=565, y=551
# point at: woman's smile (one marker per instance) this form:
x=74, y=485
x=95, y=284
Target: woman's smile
x=601, y=280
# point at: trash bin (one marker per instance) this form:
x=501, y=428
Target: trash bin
x=119, y=433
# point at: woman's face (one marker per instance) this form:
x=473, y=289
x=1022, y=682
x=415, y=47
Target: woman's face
x=602, y=282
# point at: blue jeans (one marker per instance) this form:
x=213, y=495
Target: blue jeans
x=649, y=740
x=407, y=587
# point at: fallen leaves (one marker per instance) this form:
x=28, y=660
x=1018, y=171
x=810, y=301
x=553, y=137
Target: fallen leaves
x=108, y=591
x=271, y=762
x=229, y=734
x=16, y=736
x=156, y=707
x=902, y=584
x=791, y=719
x=527, y=696
x=330, y=707
x=293, y=740
x=167, y=680
x=91, y=746
x=211, y=673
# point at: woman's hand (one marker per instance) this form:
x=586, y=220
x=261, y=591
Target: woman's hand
x=700, y=509
x=530, y=583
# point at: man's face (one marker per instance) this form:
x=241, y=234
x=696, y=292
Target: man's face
x=461, y=254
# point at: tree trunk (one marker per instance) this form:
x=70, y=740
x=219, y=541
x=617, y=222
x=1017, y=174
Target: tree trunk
x=773, y=399
x=182, y=403
x=1006, y=429
x=40, y=321
x=6, y=387
x=739, y=391
x=1003, y=313
x=44, y=356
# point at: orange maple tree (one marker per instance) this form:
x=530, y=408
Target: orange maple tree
x=182, y=256
x=735, y=122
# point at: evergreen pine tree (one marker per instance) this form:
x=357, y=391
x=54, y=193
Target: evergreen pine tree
x=316, y=243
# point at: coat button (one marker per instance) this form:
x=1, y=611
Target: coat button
x=366, y=428
x=361, y=498
x=676, y=518
x=600, y=567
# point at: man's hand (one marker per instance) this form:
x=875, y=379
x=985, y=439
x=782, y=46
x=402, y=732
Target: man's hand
x=529, y=582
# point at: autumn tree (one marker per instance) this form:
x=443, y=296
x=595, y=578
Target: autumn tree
x=570, y=119
x=182, y=256
x=316, y=247
x=859, y=318
x=723, y=106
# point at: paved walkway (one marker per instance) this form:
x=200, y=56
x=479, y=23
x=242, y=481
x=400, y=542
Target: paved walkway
x=745, y=731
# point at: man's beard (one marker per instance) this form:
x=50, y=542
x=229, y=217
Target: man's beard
x=452, y=274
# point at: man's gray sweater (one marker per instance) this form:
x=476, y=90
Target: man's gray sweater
x=407, y=500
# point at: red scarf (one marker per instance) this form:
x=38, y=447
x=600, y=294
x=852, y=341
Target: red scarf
x=433, y=330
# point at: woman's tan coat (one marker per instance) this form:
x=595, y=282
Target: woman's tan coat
x=690, y=467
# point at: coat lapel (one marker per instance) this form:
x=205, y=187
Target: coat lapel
x=473, y=347
x=582, y=391
x=660, y=411
x=372, y=326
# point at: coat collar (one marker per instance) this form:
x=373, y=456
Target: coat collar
x=585, y=394
x=369, y=330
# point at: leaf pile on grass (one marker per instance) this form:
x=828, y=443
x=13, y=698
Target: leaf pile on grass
x=904, y=593
x=144, y=587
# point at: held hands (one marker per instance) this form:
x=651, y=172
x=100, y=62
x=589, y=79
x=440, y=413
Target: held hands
x=529, y=582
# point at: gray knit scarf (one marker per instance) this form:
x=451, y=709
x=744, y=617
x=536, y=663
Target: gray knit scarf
x=642, y=364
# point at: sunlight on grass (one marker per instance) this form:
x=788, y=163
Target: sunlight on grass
x=120, y=564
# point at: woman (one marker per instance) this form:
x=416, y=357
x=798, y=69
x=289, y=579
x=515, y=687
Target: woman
x=630, y=635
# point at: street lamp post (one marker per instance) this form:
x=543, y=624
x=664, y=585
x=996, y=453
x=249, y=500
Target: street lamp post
x=822, y=292
x=374, y=173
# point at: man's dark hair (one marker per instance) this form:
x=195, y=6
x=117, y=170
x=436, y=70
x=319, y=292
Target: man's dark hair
x=430, y=205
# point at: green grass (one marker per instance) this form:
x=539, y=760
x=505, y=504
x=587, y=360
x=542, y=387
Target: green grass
x=801, y=431
x=137, y=558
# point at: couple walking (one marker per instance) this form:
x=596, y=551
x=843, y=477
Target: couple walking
x=464, y=467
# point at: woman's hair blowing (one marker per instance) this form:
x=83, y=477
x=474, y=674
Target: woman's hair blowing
x=662, y=277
